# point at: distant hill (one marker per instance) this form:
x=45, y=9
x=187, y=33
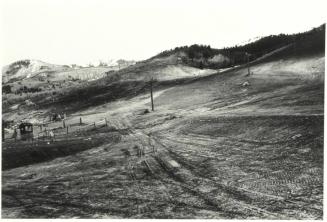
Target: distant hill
x=26, y=79
x=22, y=69
x=26, y=70
x=203, y=56
x=199, y=60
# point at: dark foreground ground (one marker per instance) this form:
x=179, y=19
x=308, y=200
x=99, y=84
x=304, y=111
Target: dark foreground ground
x=198, y=167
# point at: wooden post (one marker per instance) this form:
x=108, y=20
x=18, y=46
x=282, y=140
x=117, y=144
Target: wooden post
x=152, y=105
x=67, y=129
x=63, y=124
x=80, y=121
x=248, y=56
x=15, y=134
x=3, y=131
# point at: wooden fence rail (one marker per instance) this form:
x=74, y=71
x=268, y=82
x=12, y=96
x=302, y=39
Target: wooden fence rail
x=61, y=132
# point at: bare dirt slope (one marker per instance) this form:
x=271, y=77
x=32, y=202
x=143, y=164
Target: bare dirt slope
x=221, y=146
x=161, y=69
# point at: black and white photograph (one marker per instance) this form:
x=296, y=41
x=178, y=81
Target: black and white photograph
x=162, y=109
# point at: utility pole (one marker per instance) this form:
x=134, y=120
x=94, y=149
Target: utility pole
x=152, y=106
x=3, y=131
x=248, y=56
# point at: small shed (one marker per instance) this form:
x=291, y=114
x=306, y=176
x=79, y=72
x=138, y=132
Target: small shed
x=26, y=130
x=56, y=117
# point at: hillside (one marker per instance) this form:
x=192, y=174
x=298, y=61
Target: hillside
x=168, y=68
x=54, y=90
x=34, y=80
x=202, y=56
x=219, y=144
x=28, y=68
x=223, y=150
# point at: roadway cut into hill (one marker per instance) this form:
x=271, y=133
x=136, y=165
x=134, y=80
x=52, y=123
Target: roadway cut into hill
x=228, y=145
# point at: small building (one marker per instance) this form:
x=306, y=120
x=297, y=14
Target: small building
x=56, y=117
x=26, y=131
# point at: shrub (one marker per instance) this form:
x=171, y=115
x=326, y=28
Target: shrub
x=6, y=89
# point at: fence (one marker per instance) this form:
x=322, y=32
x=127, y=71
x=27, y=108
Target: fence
x=59, y=133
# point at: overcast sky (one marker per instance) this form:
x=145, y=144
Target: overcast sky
x=82, y=31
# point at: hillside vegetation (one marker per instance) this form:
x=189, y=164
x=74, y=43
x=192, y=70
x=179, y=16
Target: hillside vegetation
x=203, y=56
